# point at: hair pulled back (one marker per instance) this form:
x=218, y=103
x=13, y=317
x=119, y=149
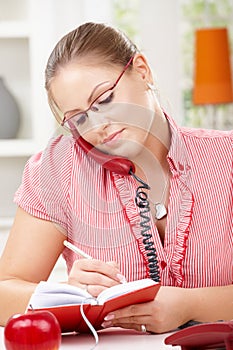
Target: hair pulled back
x=90, y=39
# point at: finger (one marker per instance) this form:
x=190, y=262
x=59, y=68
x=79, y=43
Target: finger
x=135, y=326
x=121, y=277
x=95, y=290
x=93, y=265
x=91, y=278
x=114, y=264
x=81, y=275
x=129, y=315
x=138, y=310
x=94, y=278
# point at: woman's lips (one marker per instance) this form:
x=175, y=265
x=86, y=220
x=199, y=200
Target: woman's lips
x=113, y=137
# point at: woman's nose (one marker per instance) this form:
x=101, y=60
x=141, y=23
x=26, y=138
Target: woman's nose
x=97, y=120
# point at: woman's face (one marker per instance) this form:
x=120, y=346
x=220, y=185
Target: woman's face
x=120, y=119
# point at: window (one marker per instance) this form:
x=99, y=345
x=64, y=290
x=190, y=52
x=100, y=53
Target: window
x=126, y=17
x=199, y=14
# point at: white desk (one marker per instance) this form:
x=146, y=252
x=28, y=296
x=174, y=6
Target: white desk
x=112, y=338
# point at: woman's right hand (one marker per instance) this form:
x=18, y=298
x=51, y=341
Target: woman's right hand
x=95, y=275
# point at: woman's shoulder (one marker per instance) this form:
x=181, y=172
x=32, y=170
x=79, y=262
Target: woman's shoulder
x=58, y=150
x=200, y=143
x=55, y=162
x=59, y=146
x=46, y=178
x=50, y=169
x=201, y=133
x=61, y=159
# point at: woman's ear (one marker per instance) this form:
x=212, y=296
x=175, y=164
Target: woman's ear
x=141, y=66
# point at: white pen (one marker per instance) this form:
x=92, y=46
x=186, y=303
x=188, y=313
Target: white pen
x=76, y=250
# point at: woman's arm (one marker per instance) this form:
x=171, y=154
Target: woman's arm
x=174, y=306
x=213, y=303
x=31, y=252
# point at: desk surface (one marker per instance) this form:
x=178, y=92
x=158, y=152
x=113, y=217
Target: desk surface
x=112, y=338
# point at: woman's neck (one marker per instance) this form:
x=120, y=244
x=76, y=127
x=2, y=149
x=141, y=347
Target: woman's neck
x=151, y=164
x=156, y=146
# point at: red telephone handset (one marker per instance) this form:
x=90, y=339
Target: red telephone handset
x=213, y=335
x=117, y=164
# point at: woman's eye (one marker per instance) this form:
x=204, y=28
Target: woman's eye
x=105, y=98
x=102, y=100
x=80, y=118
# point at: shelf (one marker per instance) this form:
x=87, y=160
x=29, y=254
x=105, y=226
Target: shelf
x=6, y=223
x=25, y=43
x=17, y=148
x=14, y=29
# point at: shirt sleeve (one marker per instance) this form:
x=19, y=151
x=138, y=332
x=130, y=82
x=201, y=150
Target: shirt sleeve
x=44, y=190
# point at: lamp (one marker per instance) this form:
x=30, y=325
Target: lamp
x=212, y=72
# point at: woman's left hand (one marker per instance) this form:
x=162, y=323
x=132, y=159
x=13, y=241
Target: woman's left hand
x=170, y=309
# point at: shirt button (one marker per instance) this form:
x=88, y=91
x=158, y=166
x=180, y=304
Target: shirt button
x=181, y=167
x=163, y=265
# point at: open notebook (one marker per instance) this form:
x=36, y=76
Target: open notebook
x=65, y=302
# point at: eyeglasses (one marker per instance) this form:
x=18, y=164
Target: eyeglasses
x=98, y=105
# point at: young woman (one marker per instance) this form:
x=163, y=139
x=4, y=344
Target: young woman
x=101, y=89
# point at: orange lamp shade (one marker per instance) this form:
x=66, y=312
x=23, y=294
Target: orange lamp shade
x=212, y=71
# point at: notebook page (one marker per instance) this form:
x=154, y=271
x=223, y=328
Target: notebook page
x=121, y=289
x=49, y=294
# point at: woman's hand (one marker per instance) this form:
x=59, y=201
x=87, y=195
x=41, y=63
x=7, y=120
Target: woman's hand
x=95, y=275
x=170, y=309
x=174, y=307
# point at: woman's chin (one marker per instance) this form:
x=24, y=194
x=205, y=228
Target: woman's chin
x=130, y=150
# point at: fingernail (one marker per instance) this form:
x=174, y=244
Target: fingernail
x=109, y=317
x=106, y=324
x=121, y=278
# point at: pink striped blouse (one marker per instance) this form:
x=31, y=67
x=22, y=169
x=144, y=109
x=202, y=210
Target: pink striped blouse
x=97, y=210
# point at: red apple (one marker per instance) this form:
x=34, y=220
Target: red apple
x=38, y=330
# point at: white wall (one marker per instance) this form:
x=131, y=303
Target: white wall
x=160, y=42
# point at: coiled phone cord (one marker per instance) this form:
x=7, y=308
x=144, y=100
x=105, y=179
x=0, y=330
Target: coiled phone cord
x=142, y=202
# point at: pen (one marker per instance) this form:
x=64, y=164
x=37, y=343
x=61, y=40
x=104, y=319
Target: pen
x=76, y=250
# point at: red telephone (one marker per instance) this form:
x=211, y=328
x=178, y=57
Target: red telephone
x=213, y=335
x=117, y=164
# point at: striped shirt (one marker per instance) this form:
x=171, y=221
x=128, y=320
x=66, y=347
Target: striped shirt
x=96, y=208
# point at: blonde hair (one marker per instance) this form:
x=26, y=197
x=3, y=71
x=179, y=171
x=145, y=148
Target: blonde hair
x=88, y=40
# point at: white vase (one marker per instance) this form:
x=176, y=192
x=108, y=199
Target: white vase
x=9, y=113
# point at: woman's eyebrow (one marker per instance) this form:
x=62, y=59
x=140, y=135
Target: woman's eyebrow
x=93, y=91
x=89, y=98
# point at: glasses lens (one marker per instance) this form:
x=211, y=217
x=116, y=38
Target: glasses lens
x=76, y=121
x=101, y=104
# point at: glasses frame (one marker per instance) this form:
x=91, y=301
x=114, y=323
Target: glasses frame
x=64, y=120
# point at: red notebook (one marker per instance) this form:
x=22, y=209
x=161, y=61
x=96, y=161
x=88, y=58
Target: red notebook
x=64, y=301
